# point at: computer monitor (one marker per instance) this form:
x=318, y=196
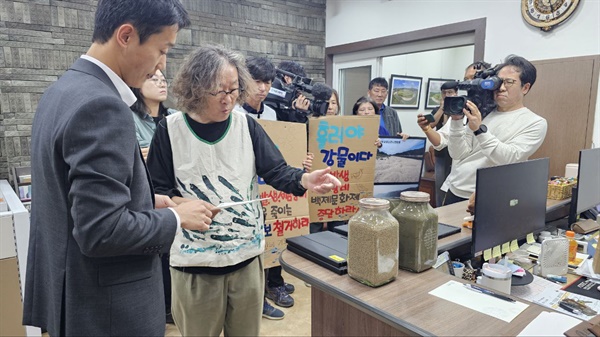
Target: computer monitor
x=586, y=196
x=510, y=202
x=399, y=166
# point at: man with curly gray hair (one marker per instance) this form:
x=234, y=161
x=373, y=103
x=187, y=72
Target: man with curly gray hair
x=212, y=153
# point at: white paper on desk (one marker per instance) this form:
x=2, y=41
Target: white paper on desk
x=534, y=290
x=549, y=324
x=231, y=204
x=457, y=293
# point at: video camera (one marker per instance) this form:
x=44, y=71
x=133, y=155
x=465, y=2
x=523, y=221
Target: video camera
x=480, y=91
x=281, y=95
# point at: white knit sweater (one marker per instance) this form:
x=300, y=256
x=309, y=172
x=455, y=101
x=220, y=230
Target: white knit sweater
x=512, y=137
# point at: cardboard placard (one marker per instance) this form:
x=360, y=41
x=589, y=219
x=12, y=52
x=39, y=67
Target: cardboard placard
x=347, y=145
x=286, y=215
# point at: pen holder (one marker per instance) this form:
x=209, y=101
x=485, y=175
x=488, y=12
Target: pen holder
x=495, y=276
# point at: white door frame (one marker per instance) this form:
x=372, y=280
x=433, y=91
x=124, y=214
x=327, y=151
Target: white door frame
x=374, y=62
x=337, y=80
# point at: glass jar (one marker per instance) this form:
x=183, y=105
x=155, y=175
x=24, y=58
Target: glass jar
x=373, y=243
x=418, y=228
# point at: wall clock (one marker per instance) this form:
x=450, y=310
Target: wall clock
x=546, y=14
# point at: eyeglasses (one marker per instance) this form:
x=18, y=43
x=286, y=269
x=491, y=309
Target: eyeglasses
x=221, y=94
x=508, y=82
x=159, y=81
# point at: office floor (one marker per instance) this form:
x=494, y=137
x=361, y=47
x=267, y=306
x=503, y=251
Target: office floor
x=295, y=323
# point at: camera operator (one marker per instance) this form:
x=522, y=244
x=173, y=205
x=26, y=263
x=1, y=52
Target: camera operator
x=511, y=132
x=300, y=105
x=443, y=161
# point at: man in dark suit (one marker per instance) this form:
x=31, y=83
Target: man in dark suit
x=93, y=266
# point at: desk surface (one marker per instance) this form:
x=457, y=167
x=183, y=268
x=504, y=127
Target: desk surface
x=454, y=215
x=554, y=204
x=405, y=304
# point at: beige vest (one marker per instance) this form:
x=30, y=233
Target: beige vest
x=223, y=171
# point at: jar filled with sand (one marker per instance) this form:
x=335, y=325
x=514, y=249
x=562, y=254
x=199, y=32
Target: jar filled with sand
x=418, y=229
x=373, y=243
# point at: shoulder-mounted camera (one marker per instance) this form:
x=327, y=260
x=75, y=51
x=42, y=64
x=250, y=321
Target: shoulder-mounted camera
x=480, y=91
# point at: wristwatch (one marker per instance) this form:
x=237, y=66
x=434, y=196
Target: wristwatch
x=482, y=129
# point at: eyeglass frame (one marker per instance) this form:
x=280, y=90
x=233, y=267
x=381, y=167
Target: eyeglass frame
x=224, y=93
x=157, y=81
x=508, y=82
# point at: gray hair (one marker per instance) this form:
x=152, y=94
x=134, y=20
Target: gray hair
x=199, y=75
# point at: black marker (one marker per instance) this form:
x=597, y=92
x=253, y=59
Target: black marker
x=569, y=308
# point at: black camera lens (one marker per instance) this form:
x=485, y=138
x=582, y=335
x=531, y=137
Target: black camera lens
x=454, y=105
x=319, y=108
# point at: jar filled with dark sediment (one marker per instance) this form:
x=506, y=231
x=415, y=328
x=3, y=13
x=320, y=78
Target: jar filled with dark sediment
x=373, y=243
x=418, y=230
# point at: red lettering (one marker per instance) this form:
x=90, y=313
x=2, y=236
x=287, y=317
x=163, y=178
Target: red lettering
x=343, y=175
x=344, y=187
x=278, y=196
x=278, y=227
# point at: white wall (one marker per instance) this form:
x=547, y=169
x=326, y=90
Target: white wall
x=444, y=63
x=506, y=32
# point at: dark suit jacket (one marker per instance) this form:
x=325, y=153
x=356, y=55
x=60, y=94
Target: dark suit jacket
x=391, y=120
x=93, y=267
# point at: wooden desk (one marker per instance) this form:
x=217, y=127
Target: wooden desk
x=454, y=215
x=342, y=306
x=552, y=205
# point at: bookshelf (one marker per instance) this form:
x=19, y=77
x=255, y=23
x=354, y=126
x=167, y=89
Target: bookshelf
x=21, y=179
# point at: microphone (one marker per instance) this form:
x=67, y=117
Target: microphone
x=321, y=92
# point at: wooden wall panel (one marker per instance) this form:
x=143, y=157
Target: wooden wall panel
x=565, y=94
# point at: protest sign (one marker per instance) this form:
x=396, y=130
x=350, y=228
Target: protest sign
x=347, y=145
x=286, y=215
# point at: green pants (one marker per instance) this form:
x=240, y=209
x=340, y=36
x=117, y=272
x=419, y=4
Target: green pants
x=204, y=305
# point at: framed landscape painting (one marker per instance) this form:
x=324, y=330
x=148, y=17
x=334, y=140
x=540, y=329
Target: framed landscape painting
x=434, y=92
x=405, y=92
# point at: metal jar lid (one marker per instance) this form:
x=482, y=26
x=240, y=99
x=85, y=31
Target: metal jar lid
x=414, y=196
x=374, y=203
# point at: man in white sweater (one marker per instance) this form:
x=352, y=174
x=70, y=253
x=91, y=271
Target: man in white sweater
x=509, y=134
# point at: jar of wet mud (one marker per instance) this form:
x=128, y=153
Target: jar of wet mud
x=418, y=230
x=373, y=243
